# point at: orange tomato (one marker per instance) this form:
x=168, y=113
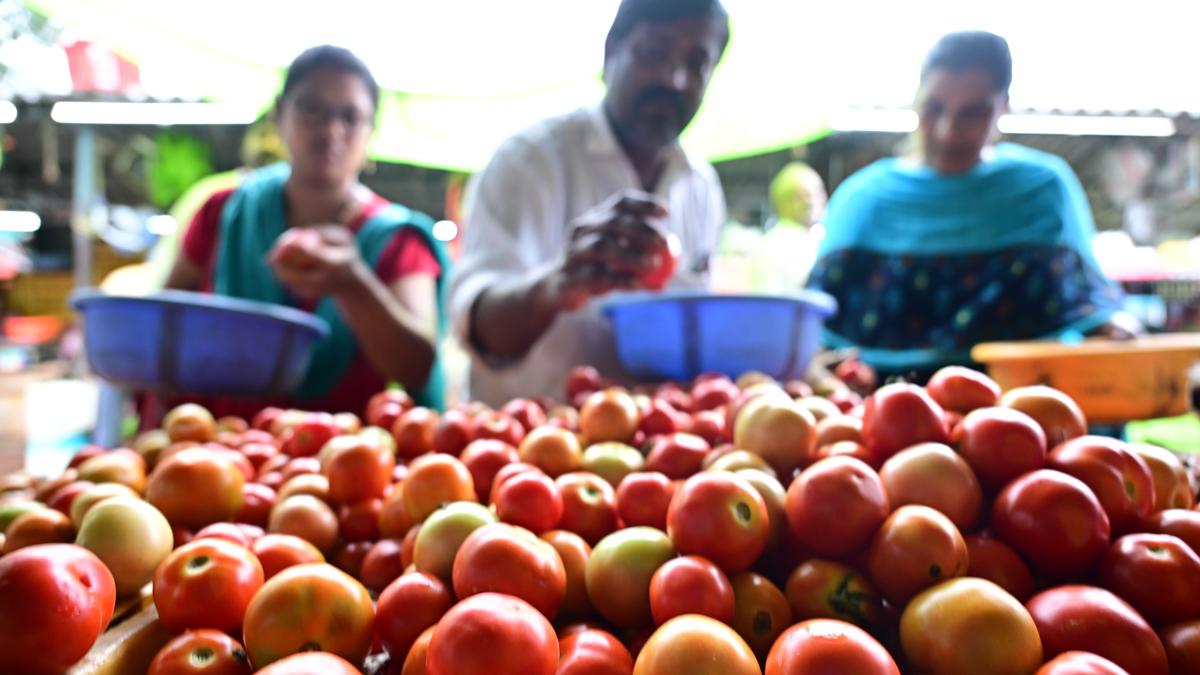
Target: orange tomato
x=915, y=548
x=493, y=634
x=359, y=471
x=500, y=558
x=308, y=518
x=1057, y=414
x=190, y=422
x=394, y=521
x=934, y=475
x=278, y=552
x=826, y=589
x=304, y=484
x=552, y=449
x=434, y=480
x=609, y=415
x=313, y=607
x=39, y=526
x=196, y=487
x=311, y=663
x=761, y=611
x=418, y=656
x=574, y=552
x=991, y=559
x=696, y=645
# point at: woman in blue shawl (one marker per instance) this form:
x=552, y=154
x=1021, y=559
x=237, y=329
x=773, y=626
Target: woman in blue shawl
x=370, y=268
x=966, y=243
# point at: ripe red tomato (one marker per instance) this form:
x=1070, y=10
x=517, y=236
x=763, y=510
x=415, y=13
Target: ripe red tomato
x=500, y=558
x=531, y=500
x=1156, y=573
x=995, y=561
x=359, y=471
x=307, y=438
x=493, y=634
x=589, y=505
x=1058, y=414
x=453, y=433
x=1118, y=477
x=278, y=552
x=901, y=415
x=313, y=607
x=206, y=584
x=1182, y=523
x=677, y=455
x=56, y=600
x=349, y=556
x=1182, y=642
x=690, y=585
x=484, y=458
x=1054, y=521
x=414, y=431
x=708, y=424
x=659, y=418
x=835, y=506
x=311, y=663
x=962, y=389
x=499, y=426
x=407, y=607
x=666, y=258
x=1080, y=663
x=201, y=652
x=721, y=517
x=392, y=397
x=383, y=564
x=761, y=611
x=643, y=498
x=915, y=548
x=230, y=532
x=1000, y=444
x=826, y=589
x=592, y=651
x=1095, y=620
x=829, y=645
x=933, y=475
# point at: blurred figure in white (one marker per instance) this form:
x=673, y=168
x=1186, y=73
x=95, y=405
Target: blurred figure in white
x=787, y=250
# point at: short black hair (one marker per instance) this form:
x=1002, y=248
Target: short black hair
x=972, y=49
x=335, y=58
x=633, y=12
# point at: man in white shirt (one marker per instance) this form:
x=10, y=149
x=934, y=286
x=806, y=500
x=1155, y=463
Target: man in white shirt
x=573, y=207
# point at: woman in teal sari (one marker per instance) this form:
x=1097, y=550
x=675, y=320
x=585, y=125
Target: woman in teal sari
x=370, y=268
x=967, y=242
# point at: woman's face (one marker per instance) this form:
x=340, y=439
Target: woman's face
x=958, y=112
x=325, y=122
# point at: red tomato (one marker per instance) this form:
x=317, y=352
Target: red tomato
x=963, y=389
x=349, y=556
x=228, y=531
x=709, y=425
x=690, y=585
x=721, y=517
x=761, y=612
x=677, y=455
x=1058, y=414
x=643, y=498
x=313, y=607
x=383, y=564
x=196, y=487
x=696, y=645
x=311, y=663
x=500, y=558
x=499, y=426
x=277, y=552
x=713, y=393
x=63, y=497
x=574, y=552
x=589, y=506
x=206, y=584
x=359, y=521
x=264, y=418
x=38, y=526
x=969, y=625
x=1080, y=663
x=592, y=651
x=583, y=379
x=407, y=607
x=901, y=415
x=395, y=397
x=307, y=438
x=829, y=645
x=932, y=474
x=56, y=600
x=1094, y=620
x=826, y=589
x=995, y=561
x=307, y=517
x=529, y=413
x=190, y=422
x=201, y=652
x=1172, y=489
x=414, y=431
x=453, y=433
x=915, y=548
x=531, y=500
x=835, y=506
x=1182, y=523
x=839, y=428
x=1054, y=521
x=1156, y=573
x=1182, y=642
x=666, y=253
x=484, y=458
x=1118, y=477
x=1000, y=444
x=493, y=634
x=358, y=472
x=659, y=418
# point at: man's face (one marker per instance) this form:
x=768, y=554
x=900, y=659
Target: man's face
x=656, y=78
x=958, y=111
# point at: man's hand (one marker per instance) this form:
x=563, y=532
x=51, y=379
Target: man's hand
x=315, y=265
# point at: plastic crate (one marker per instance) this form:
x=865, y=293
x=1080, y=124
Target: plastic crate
x=197, y=343
x=681, y=335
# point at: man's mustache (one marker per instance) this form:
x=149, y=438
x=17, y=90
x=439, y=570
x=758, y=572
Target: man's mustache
x=655, y=94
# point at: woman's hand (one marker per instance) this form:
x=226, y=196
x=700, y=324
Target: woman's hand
x=317, y=261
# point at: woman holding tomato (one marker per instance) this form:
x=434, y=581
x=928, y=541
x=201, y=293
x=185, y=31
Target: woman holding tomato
x=307, y=233
x=967, y=241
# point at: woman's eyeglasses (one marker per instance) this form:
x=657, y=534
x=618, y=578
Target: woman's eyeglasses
x=315, y=113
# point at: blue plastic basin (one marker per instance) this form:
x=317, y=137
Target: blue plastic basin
x=197, y=343
x=681, y=335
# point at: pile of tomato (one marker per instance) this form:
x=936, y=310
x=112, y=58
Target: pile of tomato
x=716, y=526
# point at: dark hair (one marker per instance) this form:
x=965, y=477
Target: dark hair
x=633, y=12
x=335, y=58
x=972, y=49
